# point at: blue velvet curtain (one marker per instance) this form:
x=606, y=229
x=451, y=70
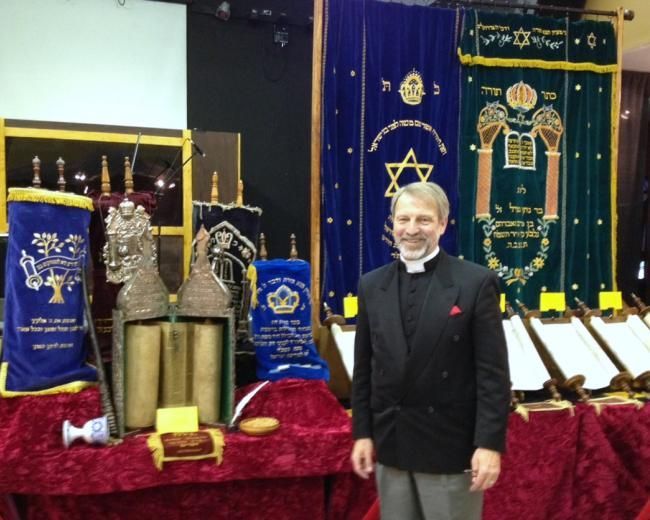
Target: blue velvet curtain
x=390, y=117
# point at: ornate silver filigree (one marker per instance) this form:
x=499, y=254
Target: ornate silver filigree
x=203, y=294
x=144, y=295
x=128, y=232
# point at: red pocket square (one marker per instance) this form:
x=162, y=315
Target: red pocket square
x=455, y=311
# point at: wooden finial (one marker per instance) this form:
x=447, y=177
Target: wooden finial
x=293, y=252
x=622, y=381
x=522, y=306
x=240, y=193
x=214, y=192
x=36, y=166
x=516, y=398
x=106, y=178
x=586, y=311
x=128, y=177
x=60, y=165
x=551, y=387
x=644, y=380
x=527, y=312
x=637, y=301
x=331, y=318
x=575, y=383
x=264, y=255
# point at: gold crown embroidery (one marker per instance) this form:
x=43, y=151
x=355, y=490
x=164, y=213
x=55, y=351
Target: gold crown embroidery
x=283, y=300
x=412, y=88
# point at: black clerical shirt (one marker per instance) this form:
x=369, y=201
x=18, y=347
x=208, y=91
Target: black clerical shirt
x=412, y=291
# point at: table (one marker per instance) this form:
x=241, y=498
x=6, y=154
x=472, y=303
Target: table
x=568, y=464
x=300, y=471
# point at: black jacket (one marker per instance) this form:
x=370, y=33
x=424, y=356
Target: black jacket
x=429, y=410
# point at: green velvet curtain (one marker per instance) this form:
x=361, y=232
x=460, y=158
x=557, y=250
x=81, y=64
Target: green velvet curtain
x=536, y=153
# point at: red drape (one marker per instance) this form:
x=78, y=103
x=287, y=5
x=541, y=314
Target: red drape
x=557, y=466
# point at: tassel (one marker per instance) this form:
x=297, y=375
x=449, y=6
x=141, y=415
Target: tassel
x=154, y=443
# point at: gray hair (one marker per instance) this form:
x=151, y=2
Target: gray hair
x=425, y=191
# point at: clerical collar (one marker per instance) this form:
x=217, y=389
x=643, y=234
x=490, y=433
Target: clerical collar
x=423, y=264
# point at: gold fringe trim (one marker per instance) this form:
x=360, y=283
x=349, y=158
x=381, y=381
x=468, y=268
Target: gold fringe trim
x=155, y=445
x=72, y=388
x=522, y=411
x=50, y=197
x=468, y=59
x=251, y=274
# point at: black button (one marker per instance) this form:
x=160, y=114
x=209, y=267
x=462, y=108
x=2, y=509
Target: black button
x=413, y=288
x=409, y=318
x=444, y=374
x=456, y=337
x=430, y=409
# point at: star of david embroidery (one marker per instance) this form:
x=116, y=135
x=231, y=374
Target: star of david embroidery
x=591, y=40
x=410, y=161
x=519, y=34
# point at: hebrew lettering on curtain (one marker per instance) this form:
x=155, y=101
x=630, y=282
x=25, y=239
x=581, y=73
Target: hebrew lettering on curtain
x=390, y=117
x=536, y=160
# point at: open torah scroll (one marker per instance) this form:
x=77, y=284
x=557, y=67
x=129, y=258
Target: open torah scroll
x=527, y=371
x=575, y=351
x=344, y=341
x=628, y=341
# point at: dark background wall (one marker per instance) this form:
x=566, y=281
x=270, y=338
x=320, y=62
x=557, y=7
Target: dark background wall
x=240, y=81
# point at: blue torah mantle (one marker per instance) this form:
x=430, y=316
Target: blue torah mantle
x=281, y=321
x=43, y=345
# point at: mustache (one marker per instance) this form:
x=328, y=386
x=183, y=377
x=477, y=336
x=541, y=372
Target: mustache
x=411, y=237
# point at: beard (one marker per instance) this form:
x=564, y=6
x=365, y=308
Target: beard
x=418, y=248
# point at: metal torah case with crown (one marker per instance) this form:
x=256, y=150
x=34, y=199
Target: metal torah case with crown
x=143, y=297
x=128, y=232
x=203, y=294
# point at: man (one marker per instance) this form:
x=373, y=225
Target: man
x=431, y=391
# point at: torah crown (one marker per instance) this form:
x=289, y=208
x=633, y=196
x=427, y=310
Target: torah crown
x=224, y=238
x=412, y=88
x=521, y=96
x=283, y=300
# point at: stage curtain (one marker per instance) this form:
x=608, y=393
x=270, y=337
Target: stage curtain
x=390, y=117
x=633, y=215
x=536, y=177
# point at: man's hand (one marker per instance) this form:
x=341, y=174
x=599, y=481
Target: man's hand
x=362, y=457
x=486, y=466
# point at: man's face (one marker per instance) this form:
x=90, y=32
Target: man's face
x=416, y=227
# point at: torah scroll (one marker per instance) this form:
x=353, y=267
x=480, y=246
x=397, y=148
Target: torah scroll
x=629, y=341
x=142, y=374
x=207, y=340
x=575, y=351
x=527, y=371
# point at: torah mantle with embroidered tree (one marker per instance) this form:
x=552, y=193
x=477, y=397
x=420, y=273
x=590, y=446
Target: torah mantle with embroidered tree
x=43, y=347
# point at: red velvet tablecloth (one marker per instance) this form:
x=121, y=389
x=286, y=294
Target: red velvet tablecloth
x=558, y=465
x=300, y=471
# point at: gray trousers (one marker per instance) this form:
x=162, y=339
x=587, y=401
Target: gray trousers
x=405, y=495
